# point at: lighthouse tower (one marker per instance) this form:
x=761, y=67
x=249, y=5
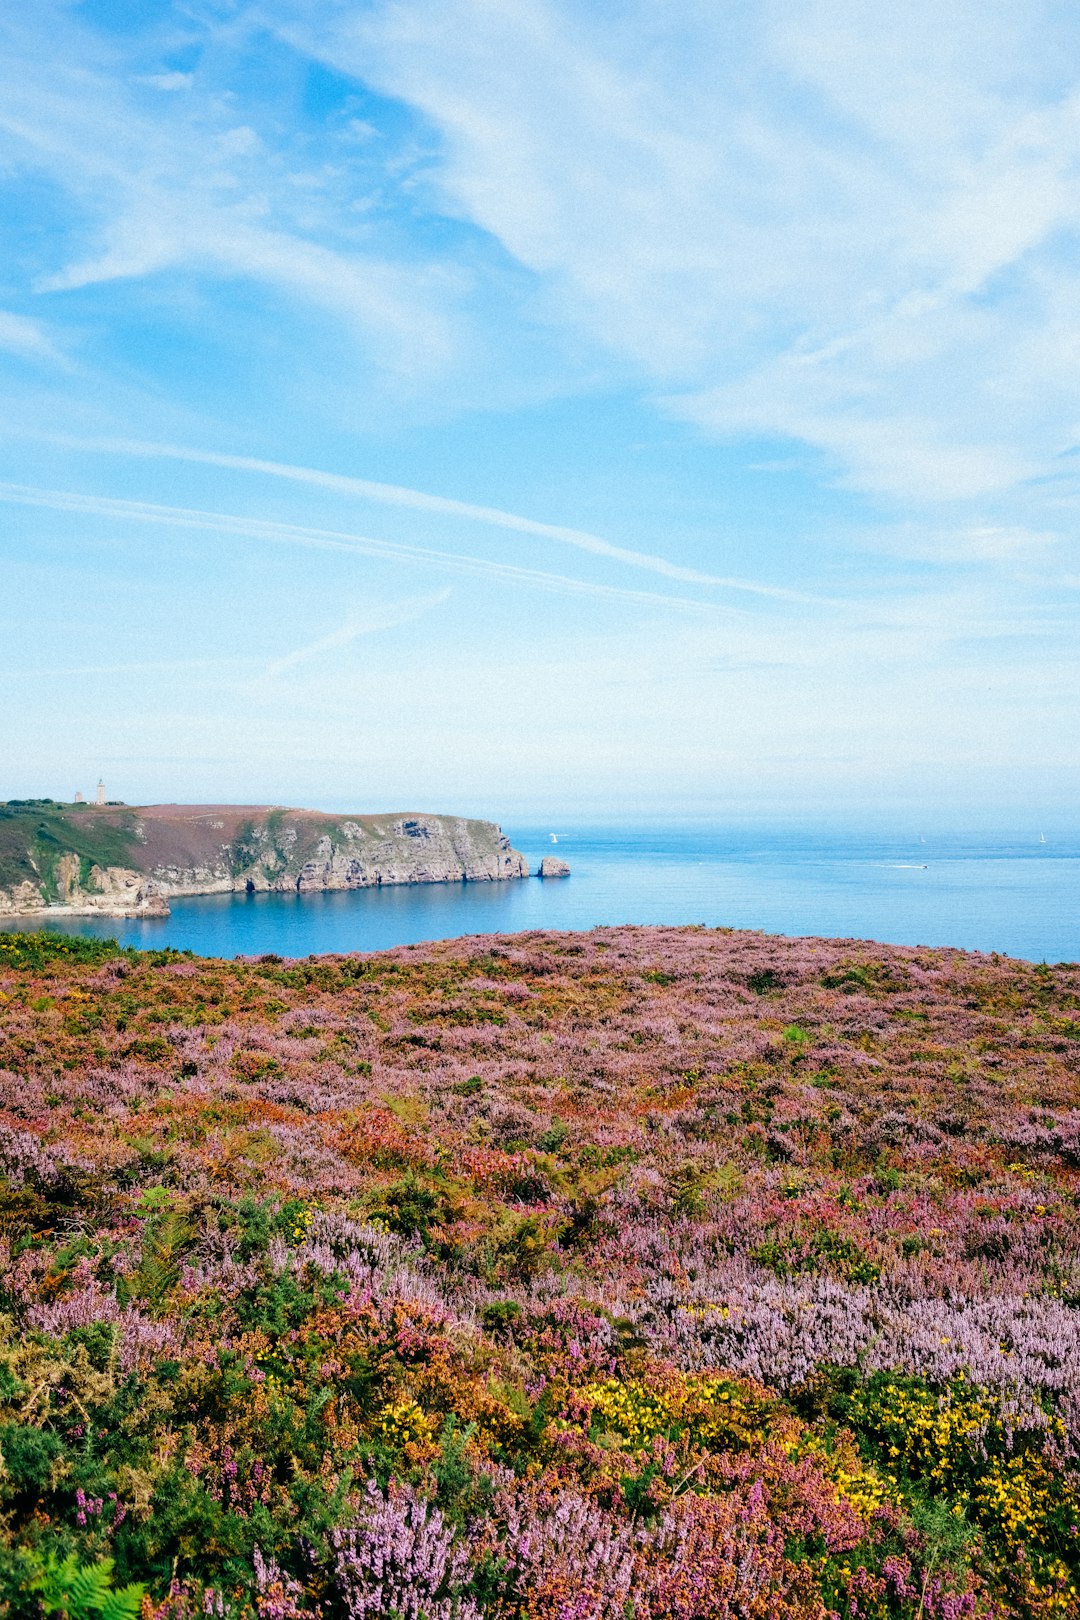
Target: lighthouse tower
x=101, y=793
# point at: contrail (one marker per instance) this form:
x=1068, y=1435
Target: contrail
x=387, y=617
x=417, y=500
x=333, y=540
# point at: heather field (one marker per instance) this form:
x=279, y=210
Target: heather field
x=644, y=1274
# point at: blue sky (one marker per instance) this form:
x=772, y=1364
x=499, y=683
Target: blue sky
x=524, y=406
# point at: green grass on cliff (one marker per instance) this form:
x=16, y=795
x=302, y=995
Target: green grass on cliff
x=35, y=833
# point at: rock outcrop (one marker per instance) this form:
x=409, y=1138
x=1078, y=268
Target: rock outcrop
x=552, y=866
x=126, y=861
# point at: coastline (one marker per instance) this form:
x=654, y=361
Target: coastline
x=125, y=861
x=999, y=892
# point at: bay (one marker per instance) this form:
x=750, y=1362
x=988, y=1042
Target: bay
x=1007, y=892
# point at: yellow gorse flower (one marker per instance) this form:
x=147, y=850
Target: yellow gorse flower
x=955, y=1442
x=403, y=1422
x=302, y=1224
x=715, y=1412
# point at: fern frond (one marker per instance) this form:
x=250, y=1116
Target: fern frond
x=125, y=1603
x=89, y=1589
x=53, y=1583
x=87, y=1593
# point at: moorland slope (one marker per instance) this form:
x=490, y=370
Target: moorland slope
x=661, y=1273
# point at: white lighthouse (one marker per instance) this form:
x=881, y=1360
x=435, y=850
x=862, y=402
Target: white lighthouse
x=101, y=792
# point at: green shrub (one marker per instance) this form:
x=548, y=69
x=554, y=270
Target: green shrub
x=40, y=950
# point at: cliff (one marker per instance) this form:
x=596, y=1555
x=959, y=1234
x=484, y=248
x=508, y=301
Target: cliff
x=130, y=861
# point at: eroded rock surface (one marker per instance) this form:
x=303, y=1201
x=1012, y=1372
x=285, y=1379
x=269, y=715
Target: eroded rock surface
x=148, y=854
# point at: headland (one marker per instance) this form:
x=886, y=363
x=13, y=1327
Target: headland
x=123, y=860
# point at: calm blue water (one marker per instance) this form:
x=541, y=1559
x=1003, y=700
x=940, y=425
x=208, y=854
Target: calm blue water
x=1010, y=894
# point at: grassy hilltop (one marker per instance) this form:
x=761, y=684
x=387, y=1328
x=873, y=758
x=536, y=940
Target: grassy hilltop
x=646, y=1274
x=36, y=833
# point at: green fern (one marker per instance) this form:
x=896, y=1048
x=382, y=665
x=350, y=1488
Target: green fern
x=163, y=1244
x=87, y=1592
x=124, y=1604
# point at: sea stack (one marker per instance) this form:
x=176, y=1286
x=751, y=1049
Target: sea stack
x=551, y=866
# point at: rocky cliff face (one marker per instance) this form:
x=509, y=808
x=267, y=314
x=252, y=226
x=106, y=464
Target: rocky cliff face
x=129, y=862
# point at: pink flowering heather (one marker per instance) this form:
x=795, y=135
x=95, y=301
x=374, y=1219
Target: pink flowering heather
x=400, y=1558
x=651, y=1273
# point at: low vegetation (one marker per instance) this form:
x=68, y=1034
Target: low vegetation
x=35, y=834
x=643, y=1274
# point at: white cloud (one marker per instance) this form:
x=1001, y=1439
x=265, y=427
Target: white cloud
x=239, y=142
x=190, y=188
x=837, y=223
x=847, y=227
x=28, y=338
x=850, y=228
x=971, y=544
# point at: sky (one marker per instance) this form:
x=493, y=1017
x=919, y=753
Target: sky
x=521, y=407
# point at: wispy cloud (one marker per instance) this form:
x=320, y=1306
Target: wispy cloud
x=28, y=338
x=887, y=278
x=360, y=545
x=386, y=616
x=974, y=543
x=188, y=186
x=847, y=226
x=774, y=247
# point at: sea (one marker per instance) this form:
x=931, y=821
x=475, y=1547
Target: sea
x=1017, y=893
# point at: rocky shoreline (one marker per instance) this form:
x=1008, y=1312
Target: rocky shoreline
x=124, y=861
